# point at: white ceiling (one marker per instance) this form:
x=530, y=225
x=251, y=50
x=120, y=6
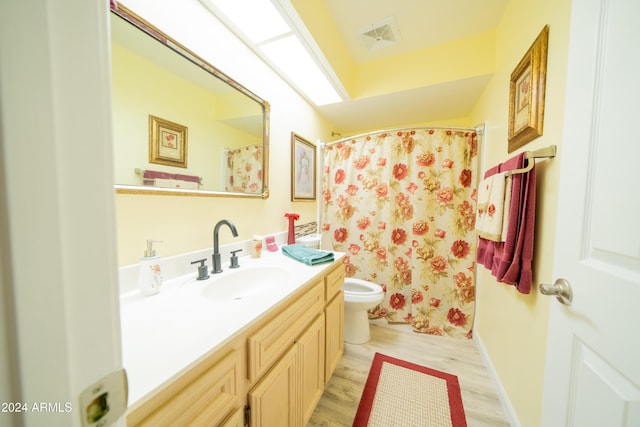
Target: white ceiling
x=426, y=104
x=421, y=24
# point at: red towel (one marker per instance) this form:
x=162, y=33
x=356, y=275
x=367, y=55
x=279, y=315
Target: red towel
x=150, y=175
x=510, y=261
x=189, y=178
x=157, y=174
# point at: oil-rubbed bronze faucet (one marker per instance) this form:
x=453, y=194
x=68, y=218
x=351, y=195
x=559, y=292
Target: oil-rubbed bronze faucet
x=217, y=265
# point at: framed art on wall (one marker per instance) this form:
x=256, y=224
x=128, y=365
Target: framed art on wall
x=167, y=142
x=303, y=169
x=527, y=92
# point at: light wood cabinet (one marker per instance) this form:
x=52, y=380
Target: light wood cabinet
x=275, y=370
x=334, y=334
x=275, y=337
x=275, y=400
x=311, y=365
x=235, y=420
x=290, y=391
x=333, y=280
x=204, y=396
x=334, y=319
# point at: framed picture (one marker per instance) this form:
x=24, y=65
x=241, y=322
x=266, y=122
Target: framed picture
x=303, y=169
x=167, y=142
x=526, y=94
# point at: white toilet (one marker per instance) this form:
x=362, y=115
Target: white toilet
x=359, y=296
x=311, y=240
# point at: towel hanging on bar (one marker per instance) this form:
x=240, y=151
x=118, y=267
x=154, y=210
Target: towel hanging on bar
x=148, y=177
x=493, y=198
x=510, y=260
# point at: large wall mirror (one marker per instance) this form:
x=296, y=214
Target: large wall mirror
x=180, y=125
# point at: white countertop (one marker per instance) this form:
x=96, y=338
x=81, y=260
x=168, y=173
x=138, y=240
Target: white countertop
x=166, y=334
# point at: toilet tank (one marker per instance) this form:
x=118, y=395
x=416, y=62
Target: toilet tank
x=311, y=240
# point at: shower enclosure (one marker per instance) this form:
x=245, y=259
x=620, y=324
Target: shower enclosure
x=401, y=204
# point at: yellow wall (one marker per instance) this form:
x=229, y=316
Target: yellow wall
x=186, y=223
x=317, y=18
x=457, y=60
x=512, y=326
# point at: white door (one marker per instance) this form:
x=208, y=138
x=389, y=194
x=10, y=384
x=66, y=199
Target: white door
x=592, y=375
x=58, y=270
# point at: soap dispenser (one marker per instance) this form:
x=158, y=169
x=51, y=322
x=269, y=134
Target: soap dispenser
x=150, y=278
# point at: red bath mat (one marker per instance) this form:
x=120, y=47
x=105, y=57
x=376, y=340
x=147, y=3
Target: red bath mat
x=400, y=393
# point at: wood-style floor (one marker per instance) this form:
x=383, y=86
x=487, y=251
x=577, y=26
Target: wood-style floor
x=341, y=397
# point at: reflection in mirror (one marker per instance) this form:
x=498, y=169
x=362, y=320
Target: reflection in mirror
x=180, y=125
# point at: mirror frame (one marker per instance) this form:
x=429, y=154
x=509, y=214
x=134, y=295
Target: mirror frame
x=181, y=50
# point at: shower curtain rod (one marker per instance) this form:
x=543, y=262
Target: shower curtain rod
x=479, y=129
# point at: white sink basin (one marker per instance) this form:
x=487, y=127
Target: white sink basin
x=245, y=283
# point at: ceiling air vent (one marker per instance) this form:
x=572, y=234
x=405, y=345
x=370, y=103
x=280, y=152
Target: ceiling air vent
x=382, y=34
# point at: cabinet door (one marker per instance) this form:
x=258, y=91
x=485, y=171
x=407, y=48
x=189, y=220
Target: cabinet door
x=275, y=400
x=334, y=320
x=268, y=344
x=311, y=363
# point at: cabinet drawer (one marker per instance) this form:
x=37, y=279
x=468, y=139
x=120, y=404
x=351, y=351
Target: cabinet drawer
x=235, y=420
x=270, y=342
x=333, y=282
x=207, y=400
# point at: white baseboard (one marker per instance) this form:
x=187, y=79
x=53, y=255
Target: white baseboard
x=502, y=394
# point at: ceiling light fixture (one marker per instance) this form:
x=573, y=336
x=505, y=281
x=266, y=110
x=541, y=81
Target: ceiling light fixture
x=275, y=32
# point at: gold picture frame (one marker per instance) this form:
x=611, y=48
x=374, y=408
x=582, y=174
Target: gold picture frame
x=303, y=169
x=527, y=92
x=167, y=142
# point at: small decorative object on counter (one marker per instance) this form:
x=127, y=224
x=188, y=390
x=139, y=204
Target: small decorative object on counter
x=255, y=247
x=150, y=277
x=272, y=246
x=291, y=238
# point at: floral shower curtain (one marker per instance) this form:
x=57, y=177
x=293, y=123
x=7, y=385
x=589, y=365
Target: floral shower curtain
x=244, y=169
x=402, y=206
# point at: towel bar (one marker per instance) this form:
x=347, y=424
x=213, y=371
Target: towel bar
x=543, y=153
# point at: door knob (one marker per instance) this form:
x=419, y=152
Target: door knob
x=561, y=289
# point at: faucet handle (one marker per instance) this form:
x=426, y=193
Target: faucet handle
x=234, y=259
x=203, y=272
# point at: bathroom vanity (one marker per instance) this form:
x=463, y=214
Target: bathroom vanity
x=256, y=356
